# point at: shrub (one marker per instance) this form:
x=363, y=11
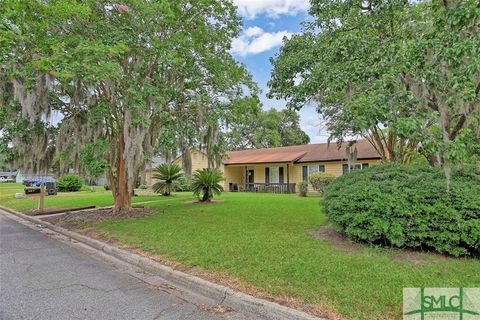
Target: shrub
x=206, y=183
x=320, y=180
x=86, y=188
x=184, y=184
x=70, y=183
x=303, y=189
x=143, y=187
x=168, y=174
x=408, y=207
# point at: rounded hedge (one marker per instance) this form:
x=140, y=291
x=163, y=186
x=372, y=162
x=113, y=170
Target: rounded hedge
x=408, y=207
x=320, y=180
x=70, y=183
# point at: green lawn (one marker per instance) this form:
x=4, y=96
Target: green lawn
x=265, y=240
x=62, y=199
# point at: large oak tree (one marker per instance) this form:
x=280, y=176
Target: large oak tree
x=404, y=74
x=114, y=71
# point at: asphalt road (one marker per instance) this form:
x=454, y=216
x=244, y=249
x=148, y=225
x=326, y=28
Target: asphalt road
x=45, y=278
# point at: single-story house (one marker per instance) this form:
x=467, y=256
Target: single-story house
x=279, y=170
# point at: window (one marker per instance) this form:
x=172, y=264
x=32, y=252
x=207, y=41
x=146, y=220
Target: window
x=307, y=170
x=312, y=169
x=274, y=175
x=355, y=166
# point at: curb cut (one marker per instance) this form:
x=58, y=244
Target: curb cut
x=228, y=296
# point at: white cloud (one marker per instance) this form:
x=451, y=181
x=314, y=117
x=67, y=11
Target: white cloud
x=311, y=122
x=255, y=40
x=253, y=31
x=272, y=8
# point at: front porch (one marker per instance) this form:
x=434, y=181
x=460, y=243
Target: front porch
x=263, y=187
x=268, y=178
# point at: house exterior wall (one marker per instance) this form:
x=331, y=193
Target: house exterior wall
x=149, y=177
x=199, y=160
x=333, y=167
x=236, y=173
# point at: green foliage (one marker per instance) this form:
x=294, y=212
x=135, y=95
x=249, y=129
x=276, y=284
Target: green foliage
x=407, y=207
x=303, y=189
x=206, y=183
x=92, y=158
x=70, y=183
x=86, y=188
x=169, y=175
x=143, y=187
x=184, y=184
x=320, y=180
x=409, y=66
x=140, y=71
x=267, y=129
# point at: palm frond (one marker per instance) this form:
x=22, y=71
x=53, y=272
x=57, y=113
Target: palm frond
x=206, y=183
x=168, y=175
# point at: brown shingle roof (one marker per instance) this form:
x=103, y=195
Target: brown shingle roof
x=302, y=153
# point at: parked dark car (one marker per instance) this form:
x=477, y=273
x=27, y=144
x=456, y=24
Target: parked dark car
x=33, y=186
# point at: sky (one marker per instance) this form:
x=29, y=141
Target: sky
x=265, y=24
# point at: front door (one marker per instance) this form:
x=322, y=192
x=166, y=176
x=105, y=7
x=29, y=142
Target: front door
x=250, y=179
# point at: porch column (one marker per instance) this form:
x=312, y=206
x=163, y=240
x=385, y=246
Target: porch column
x=246, y=178
x=288, y=178
x=288, y=174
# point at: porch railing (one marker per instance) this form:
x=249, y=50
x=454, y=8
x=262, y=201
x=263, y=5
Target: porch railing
x=270, y=187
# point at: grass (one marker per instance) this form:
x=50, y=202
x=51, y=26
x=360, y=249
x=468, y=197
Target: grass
x=63, y=199
x=265, y=241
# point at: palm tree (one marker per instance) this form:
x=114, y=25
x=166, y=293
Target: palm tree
x=206, y=183
x=169, y=175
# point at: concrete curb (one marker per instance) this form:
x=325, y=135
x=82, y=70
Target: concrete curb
x=225, y=295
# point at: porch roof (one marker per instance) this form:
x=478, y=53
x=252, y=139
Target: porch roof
x=302, y=153
x=263, y=156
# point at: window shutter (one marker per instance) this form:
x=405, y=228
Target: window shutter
x=345, y=168
x=321, y=168
x=305, y=173
x=364, y=165
x=267, y=175
x=280, y=175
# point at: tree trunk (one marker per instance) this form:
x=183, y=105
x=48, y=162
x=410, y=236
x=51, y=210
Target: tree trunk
x=445, y=124
x=206, y=196
x=123, y=198
x=144, y=175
